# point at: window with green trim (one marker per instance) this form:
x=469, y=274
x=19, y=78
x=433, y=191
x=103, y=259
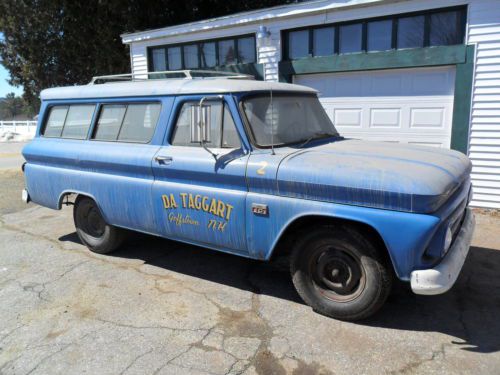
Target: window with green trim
x=203, y=54
x=441, y=27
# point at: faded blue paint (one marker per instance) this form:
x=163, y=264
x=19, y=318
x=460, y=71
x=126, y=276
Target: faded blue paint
x=404, y=193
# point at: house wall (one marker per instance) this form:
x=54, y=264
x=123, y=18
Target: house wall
x=484, y=142
x=479, y=70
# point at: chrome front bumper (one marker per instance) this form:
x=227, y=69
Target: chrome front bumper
x=440, y=279
x=25, y=196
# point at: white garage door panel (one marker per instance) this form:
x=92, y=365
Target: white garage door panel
x=412, y=106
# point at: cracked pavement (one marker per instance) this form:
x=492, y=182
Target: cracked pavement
x=160, y=307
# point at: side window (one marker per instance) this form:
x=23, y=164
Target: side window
x=71, y=121
x=127, y=123
x=230, y=138
x=109, y=122
x=78, y=121
x=223, y=132
x=55, y=121
x=139, y=123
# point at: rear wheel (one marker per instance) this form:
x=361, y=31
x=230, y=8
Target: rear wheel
x=99, y=236
x=339, y=273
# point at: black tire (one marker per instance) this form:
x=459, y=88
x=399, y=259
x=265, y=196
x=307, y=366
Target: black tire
x=99, y=236
x=340, y=273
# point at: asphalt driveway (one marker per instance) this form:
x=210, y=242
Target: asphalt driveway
x=160, y=307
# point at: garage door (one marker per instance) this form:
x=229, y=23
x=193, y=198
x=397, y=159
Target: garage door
x=412, y=106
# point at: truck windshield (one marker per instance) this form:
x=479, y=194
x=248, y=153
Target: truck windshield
x=296, y=119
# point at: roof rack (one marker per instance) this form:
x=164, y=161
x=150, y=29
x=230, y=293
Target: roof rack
x=168, y=74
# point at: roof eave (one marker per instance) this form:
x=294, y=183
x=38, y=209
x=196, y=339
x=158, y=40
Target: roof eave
x=254, y=16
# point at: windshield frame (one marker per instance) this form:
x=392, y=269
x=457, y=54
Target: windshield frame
x=248, y=125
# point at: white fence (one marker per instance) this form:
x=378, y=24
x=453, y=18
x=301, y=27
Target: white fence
x=19, y=127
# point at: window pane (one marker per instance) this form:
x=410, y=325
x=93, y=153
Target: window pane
x=78, y=121
x=230, y=138
x=445, y=29
x=246, y=50
x=379, y=35
x=294, y=119
x=226, y=52
x=182, y=131
x=350, y=38
x=174, y=58
x=208, y=55
x=109, y=122
x=55, y=122
x=139, y=123
x=411, y=32
x=323, y=41
x=159, y=63
x=298, y=44
x=191, y=56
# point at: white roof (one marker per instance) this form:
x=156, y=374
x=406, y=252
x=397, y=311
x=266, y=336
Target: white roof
x=156, y=87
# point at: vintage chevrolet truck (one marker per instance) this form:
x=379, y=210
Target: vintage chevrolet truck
x=255, y=169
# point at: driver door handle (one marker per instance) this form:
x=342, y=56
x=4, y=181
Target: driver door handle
x=161, y=159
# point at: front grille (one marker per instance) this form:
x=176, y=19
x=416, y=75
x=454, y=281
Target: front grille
x=457, y=219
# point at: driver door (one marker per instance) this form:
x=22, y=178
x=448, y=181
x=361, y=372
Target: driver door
x=199, y=197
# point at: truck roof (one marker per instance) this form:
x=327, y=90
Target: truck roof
x=155, y=87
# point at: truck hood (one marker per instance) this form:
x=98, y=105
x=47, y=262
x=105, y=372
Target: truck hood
x=374, y=174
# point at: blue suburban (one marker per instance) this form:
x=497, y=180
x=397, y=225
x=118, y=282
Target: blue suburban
x=255, y=169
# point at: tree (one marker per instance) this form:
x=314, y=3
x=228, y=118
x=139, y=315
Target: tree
x=11, y=106
x=63, y=42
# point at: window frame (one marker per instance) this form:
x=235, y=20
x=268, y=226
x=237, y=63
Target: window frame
x=97, y=116
x=198, y=44
x=48, y=111
x=462, y=19
x=178, y=111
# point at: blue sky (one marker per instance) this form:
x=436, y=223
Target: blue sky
x=5, y=88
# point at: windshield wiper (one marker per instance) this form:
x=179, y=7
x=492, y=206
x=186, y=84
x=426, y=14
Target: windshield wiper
x=318, y=135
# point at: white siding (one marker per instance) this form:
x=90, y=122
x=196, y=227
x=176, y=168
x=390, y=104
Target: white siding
x=139, y=60
x=484, y=151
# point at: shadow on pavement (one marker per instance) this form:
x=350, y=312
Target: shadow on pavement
x=470, y=312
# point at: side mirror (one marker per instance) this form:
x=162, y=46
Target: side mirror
x=200, y=123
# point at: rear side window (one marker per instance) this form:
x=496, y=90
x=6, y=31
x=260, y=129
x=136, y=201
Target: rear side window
x=71, y=121
x=139, y=123
x=55, y=122
x=109, y=123
x=78, y=121
x=127, y=122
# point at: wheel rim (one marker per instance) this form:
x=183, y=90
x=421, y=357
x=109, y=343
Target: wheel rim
x=337, y=274
x=91, y=221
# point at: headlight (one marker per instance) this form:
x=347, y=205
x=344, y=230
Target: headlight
x=447, y=241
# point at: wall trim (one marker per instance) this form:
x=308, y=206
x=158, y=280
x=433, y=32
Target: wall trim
x=460, y=127
x=429, y=56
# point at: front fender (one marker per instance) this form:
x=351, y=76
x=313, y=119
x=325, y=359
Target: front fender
x=406, y=235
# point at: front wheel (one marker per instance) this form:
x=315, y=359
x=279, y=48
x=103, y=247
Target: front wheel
x=99, y=236
x=339, y=273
